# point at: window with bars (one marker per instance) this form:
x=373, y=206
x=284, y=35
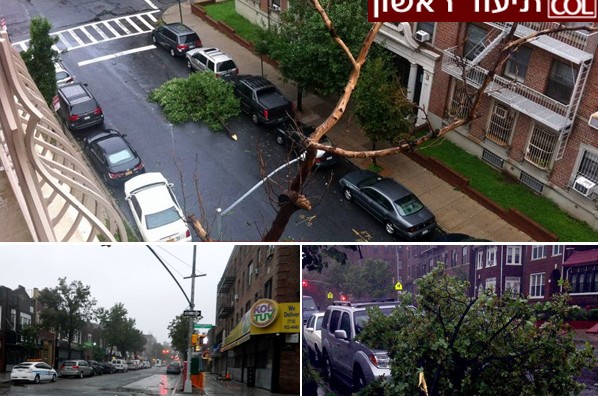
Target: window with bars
x=541, y=147
x=561, y=81
x=501, y=124
x=584, y=279
x=588, y=166
x=516, y=67
x=461, y=102
x=536, y=285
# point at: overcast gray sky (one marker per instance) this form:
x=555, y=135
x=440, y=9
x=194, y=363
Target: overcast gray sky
x=127, y=273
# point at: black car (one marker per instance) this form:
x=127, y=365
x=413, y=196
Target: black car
x=78, y=108
x=176, y=38
x=107, y=368
x=390, y=203
x=293, y=135
x=174, y=368
x=262, y=100
x=113, y=156
x=97, y=368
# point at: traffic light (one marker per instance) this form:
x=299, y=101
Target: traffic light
x=305, y=283
x=193, y=339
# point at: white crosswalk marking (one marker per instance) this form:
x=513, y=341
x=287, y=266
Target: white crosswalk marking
x=111, y=29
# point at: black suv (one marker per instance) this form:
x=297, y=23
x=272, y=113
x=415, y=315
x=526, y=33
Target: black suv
x=262, y=100
x=176, y=37
x=78, y=108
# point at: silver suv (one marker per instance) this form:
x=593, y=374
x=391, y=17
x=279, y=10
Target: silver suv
x=211, y=59
x=351, y=361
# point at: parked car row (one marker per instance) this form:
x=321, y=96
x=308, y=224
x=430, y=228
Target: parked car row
x=36, y=371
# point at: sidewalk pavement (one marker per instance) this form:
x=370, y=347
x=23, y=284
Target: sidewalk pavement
x=455, y=211
x=213, y=387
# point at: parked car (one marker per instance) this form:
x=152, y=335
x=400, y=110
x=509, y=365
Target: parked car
x=146, y=364
x=389, y=202
x=352, y=362
x=107, y=368
x=62, y=75
x=292, y=135
x=78, y=108
x=112, y=156
x=262, y=100
x=308, y=307
x=120, y=365
x=312, y=337
x=174, y=368
x=76, y=368
x=155, y=208
x=212, y=60
x=176, y=38
x=96, y=367
x=134, y=364
x=35, y=372
x=158, y=363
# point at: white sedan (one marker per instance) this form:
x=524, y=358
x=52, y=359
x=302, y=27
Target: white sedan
x=155, y=208
x=312, y=335
x=35, y=372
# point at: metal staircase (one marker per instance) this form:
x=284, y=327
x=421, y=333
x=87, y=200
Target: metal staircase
x=490, y=42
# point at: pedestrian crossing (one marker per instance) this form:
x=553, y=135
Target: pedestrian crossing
x=100, y=32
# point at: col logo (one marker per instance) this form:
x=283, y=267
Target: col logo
x=263, y=312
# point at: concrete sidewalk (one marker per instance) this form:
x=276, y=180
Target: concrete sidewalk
x=455, y=211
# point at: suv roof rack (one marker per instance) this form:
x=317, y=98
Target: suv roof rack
x=375, y=302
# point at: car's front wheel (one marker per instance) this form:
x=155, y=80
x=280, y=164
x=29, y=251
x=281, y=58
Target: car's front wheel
x=390, y=229
x=53, y=377
x=348, y=194
x=172, y=53
x=36, y=380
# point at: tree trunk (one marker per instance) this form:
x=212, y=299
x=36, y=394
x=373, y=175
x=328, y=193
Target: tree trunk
x=374, y=149
x=299, y=98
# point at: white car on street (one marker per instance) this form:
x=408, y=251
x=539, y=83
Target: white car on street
x=312, y=336
x=155, y=208
x=35, y=372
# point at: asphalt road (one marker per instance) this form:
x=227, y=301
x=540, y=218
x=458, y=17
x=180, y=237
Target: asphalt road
x=209, y=170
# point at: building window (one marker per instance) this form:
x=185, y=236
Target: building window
x=588, y=166
x=557, y=250
x=491, y=284
x=13, y=318
x=513, y=255
x=513, y=283
x=584, y=279
x=248, y=306
x=454, y=258
x=464, y=255
x=474, y=41
x=501, y=124
x=536, y=285
x=480, y=260
x=25, y=319
x=249, y=273
x=541, y=147
x=517, y=64
x=268, y=289
x=427, y=27
x=561, y=81
x=491, y=260
x=538, y=252
x=461, y=102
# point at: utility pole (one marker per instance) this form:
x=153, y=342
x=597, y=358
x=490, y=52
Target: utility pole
x=188, y=388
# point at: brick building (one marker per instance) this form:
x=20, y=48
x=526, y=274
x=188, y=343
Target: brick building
x=16, y=312
x=538, y=118
x=256, y=339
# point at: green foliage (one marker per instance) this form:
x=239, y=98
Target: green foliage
x=593, y=314
x=381, y=106
x=67, y=308
x=225, y=11
x=40, y=57
x=120, y=331
x=29, y=338
x=487, y=345
x=305, y=51
x=178, y=331
x=370, y=279
x=200, y=98
x=315, y=257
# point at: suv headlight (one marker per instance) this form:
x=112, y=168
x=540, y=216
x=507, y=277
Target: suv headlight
x=380, y=360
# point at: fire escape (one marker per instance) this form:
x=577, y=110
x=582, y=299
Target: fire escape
x=225, y=303
x=576, y=47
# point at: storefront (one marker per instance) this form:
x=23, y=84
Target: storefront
x=263, y=349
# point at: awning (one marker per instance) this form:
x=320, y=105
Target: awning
x=582, y=257
x=235, y=343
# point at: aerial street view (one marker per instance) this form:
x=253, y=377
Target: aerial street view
x=238, y=121
x=149, y=319
x=450, y=319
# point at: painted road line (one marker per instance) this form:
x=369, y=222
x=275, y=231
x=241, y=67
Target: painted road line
x=77, y=39
x=151, y=4
x=152, y=17
x=112, y=30
x=133, y=24
x=146, y=23
x=63, y=39
x=120, y=25
x=93, y=39
x=116, y=55
x=100, y=31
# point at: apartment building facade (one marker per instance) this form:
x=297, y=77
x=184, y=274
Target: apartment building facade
x=538, y=120
x=256, y=339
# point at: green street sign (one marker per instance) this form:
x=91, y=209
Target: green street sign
x=202, y=326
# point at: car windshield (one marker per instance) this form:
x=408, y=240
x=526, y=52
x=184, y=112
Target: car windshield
x=61, y=75
x=120, y=157
x=227, y=65
x=161, y=218
x=362, y=317
x=309, y=303
x=409, y=205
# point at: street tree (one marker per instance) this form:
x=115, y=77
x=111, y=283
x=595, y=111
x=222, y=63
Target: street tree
x=119, y=330
x=178, y=331
x=67, y=308
x=453, y=344
x=318, y=257
x=308, y=55
x=200, y=98
x=381, y=107
x=40, y=57
x=29, y=337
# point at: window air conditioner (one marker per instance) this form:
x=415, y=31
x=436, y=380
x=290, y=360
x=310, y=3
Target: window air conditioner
x=275, y=8
x=593, y=121
x=236, y=297
x=422, y=36
x=584, y=186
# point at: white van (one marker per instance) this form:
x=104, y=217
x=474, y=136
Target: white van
x=158, y=363
x=120, y=365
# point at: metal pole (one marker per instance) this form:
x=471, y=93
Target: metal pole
x=181, y=10
x=188, y=386
x=220, y=213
